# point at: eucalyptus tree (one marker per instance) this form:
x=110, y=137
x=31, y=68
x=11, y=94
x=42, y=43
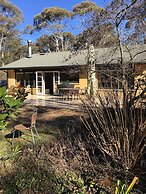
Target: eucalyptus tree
x=121, y=24
x=54, y=21
x=85, y=12
x=10, y=16
x=128, y=19
x=47, y=42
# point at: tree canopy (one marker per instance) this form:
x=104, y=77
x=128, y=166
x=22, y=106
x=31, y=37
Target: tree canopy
x=86, y=7
x=10, y=16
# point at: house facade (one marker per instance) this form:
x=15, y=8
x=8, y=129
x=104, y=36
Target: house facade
x=43, y=73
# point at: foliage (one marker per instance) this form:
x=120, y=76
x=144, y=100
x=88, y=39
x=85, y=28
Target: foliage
x=12, y=153
x=121, y=189
x=21, y=94
x=129, y=17
x=10, y=16
x=3, y=122
x=86, y=7
x=30, y=172
x=2, y=92
x=85, y=183
x=47, y=42
x=52, y=14
x=54, y=21
x=10, y=105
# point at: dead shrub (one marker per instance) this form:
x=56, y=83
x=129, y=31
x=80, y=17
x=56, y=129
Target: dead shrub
x=118, y=131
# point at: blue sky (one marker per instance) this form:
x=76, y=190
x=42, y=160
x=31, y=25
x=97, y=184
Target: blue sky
x=30, y=8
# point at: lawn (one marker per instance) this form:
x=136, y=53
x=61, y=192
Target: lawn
x=49, y=122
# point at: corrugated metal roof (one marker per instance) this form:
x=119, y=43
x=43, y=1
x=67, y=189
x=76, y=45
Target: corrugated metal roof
x=62, y=59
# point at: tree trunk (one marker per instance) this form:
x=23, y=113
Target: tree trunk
x=1, y=51
x=91, y=71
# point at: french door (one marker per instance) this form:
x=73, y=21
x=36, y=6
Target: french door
x=41, y=78
x=40, y=84
x=56, y=81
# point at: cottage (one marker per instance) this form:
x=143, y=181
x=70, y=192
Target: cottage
x=44, y=72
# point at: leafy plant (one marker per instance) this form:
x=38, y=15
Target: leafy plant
x=2, y=92
x=121, y=189
x=3, y=122
x=71, y=182
x=30, y=173
x=10, y=106
x=12, y=153
x=21, y=94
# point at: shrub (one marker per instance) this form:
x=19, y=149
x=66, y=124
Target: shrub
x=117, y=132
x=29, y=173
x=9, y=105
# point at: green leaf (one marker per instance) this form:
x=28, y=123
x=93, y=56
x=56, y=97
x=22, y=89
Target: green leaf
x=12, y=103
x=123, y=189
x=3, y=116
x=2, y=125
x=2, y=92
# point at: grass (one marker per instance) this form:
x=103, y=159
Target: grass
x=6, y=146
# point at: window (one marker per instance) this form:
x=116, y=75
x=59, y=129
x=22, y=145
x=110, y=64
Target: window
x=26, y=78
x=30, y=79
x=110, y=80
x=71, y=78
x=20, y=78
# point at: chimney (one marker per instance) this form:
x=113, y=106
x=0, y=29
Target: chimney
x=29, y=49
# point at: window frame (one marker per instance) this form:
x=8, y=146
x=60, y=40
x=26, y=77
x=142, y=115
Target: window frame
x=25, y=81
x=68, y=78
x=109, y=80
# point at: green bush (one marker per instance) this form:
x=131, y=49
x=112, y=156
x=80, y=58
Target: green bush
x=80, y=184
x=29, y=172
x=9, y=106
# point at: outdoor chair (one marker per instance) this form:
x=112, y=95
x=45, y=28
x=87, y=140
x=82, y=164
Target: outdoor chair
x=13, y=134
x=31, y=127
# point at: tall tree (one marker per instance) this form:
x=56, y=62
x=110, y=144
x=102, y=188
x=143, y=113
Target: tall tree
x=84, y=12
x=54, y=21
x=10, y=16
x=129, y=17
x=92, y=29
x=47, y=42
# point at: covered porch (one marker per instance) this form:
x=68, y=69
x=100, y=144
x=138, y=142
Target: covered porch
x=48, y=81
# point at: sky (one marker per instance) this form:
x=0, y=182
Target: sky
x=30, y=8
